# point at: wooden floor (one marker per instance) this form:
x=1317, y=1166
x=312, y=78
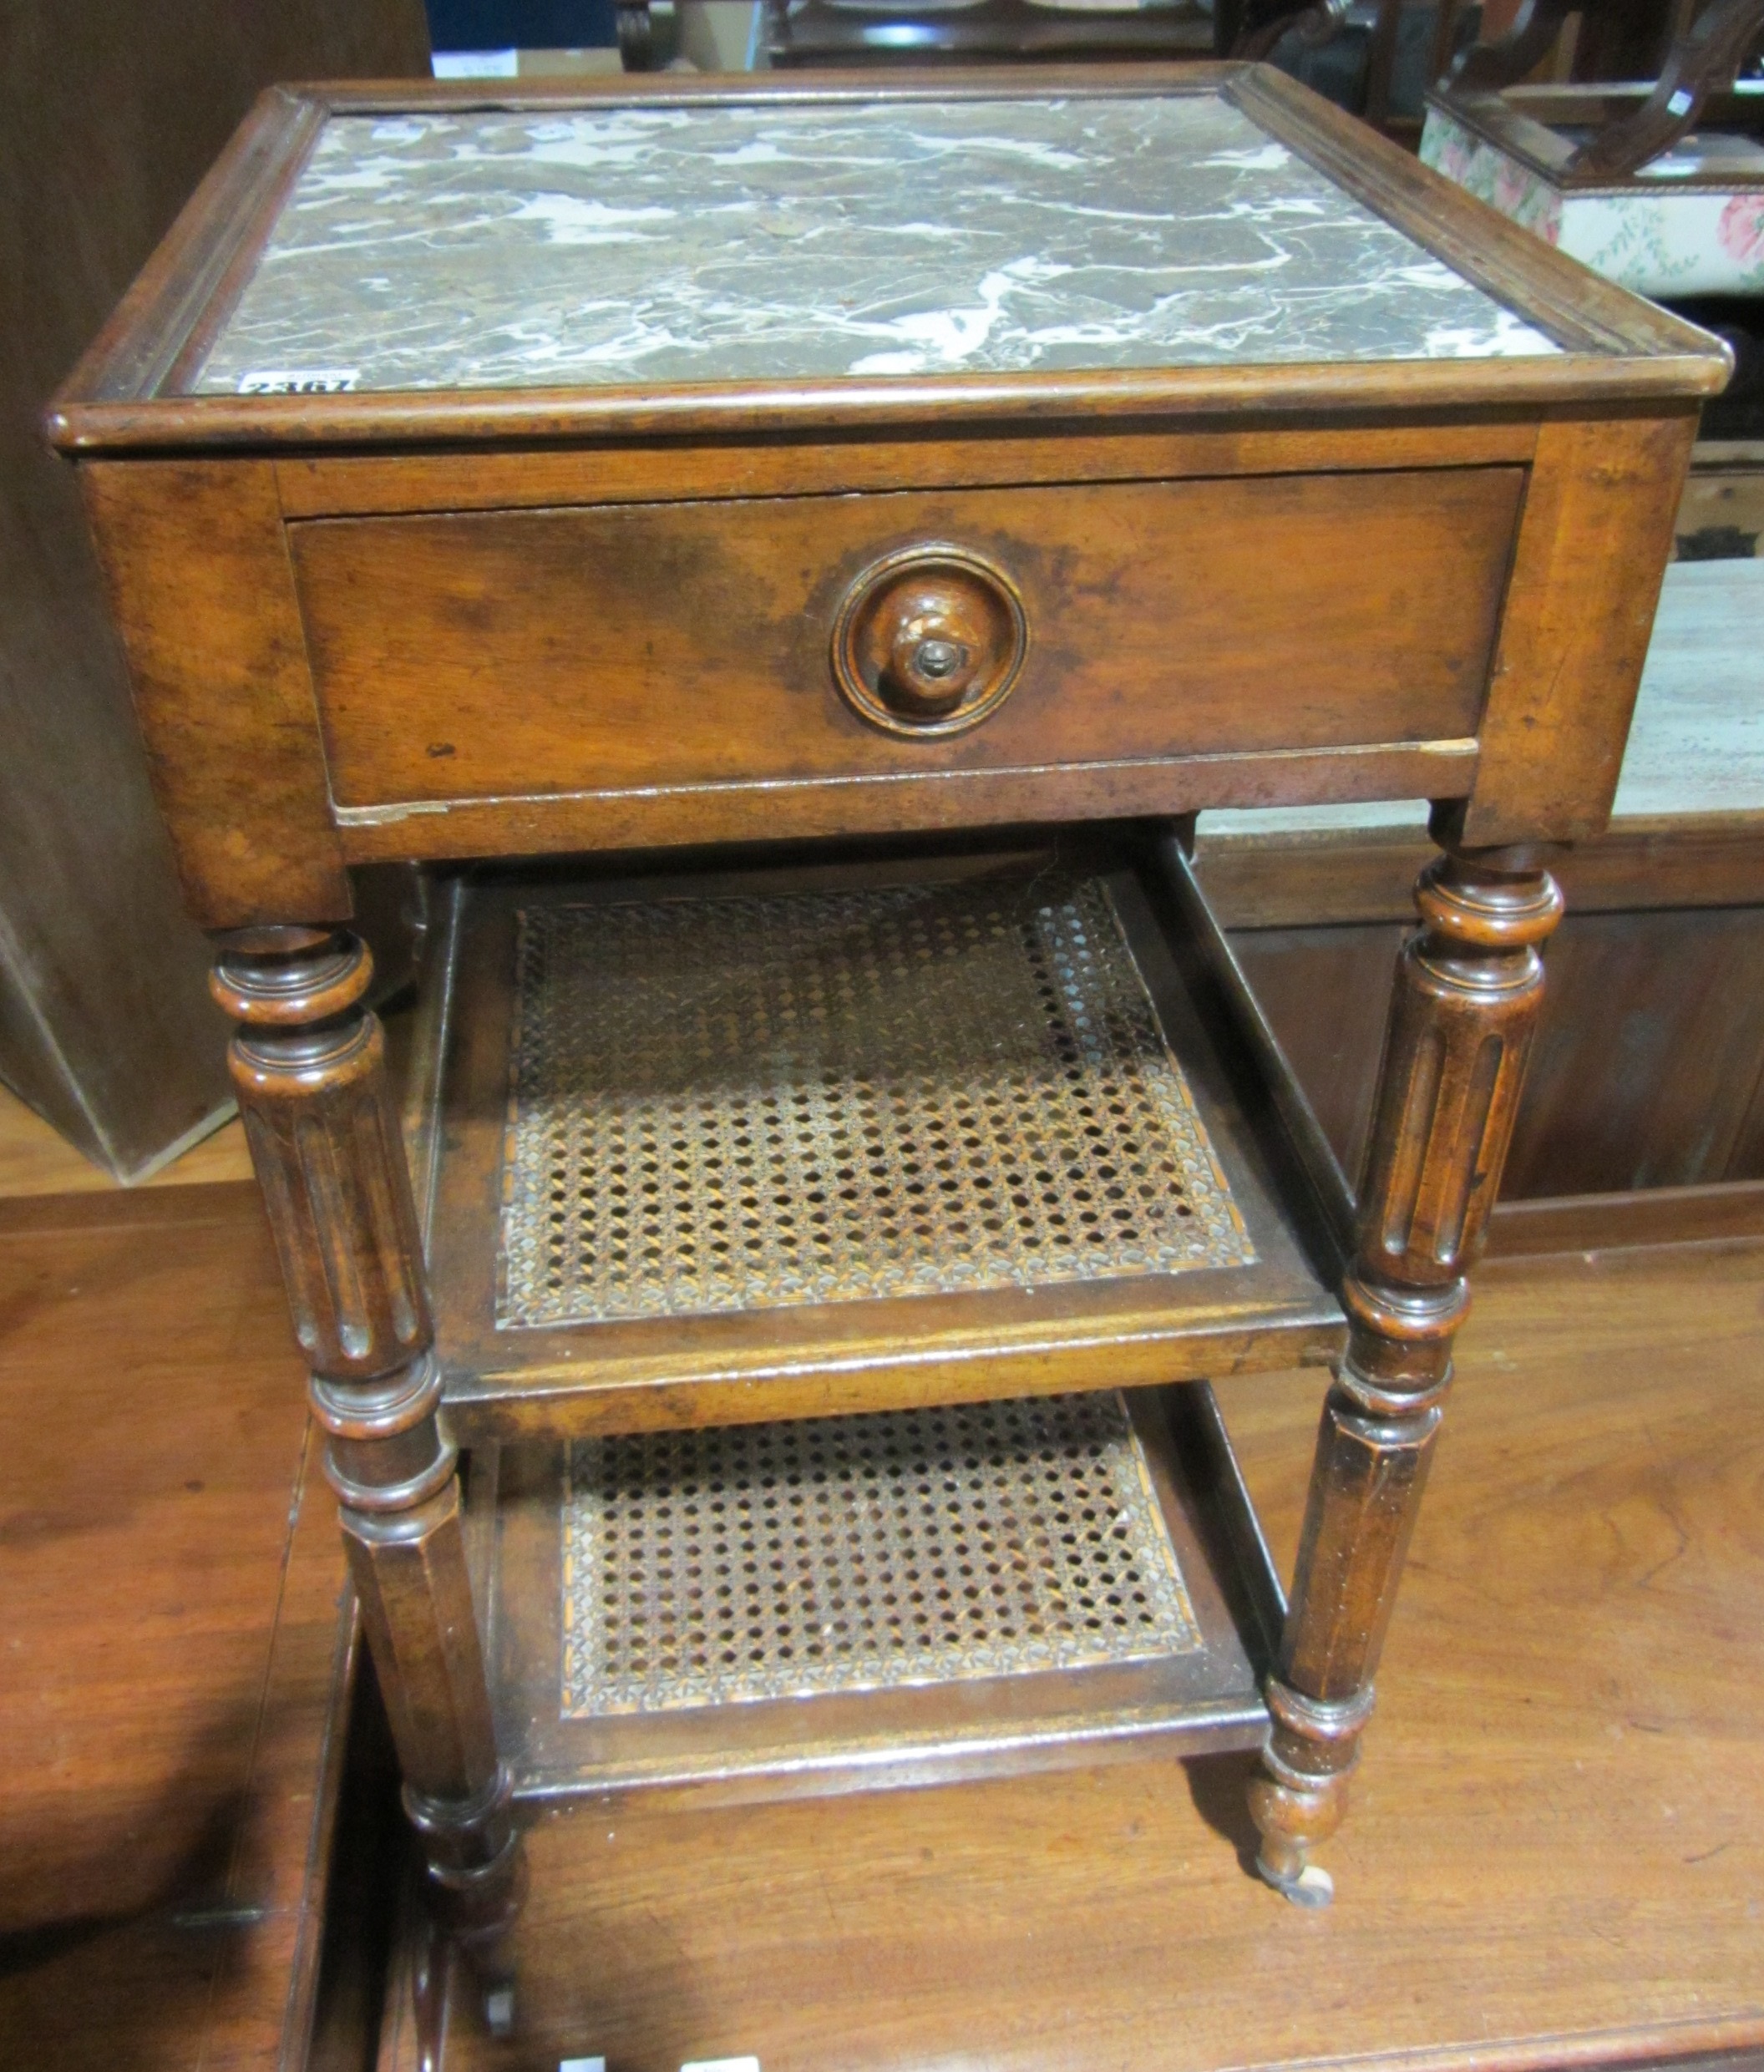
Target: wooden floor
x=170, y=1576
x=36, y=1159
x=1554, y=1852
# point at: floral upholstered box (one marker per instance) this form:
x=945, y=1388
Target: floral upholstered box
x=1691, y=222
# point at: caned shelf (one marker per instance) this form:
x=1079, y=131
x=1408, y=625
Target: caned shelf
x=858, y=1137
x=899, y=1597
x=828, y=1261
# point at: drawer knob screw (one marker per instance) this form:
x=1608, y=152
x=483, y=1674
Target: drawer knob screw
x=939, y=658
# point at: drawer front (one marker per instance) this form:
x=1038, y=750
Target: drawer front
x=632, y=647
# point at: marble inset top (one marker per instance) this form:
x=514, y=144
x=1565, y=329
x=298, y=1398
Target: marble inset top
x=755, y=240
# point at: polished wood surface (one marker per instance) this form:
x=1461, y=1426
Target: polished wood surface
x=1551, y=1857
x=308, y=1063
x=427, y=761
x=1615, y=1632
x=715, y=717
x=347, y=485
x=1469, y=985
x=175, y=1639
x=196, y=566
x=1327, y=878
x=712, y=626
x=35, y=1159
x=1636, y=1219
x=1580, y=604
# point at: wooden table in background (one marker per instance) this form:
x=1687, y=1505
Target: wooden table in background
x=174, y=1658
x=1644, y=1107
x=1554, y=1860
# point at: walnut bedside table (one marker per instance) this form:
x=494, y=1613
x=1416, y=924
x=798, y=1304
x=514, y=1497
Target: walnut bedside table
x=858, y=524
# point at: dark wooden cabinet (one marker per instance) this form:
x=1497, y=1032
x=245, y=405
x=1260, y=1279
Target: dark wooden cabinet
x=1649, y=1070
x=109, y=115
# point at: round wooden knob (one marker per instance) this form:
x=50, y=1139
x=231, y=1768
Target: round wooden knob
x=928, y=641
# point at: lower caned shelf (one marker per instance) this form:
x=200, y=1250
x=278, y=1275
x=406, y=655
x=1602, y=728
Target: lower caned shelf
x=903, y=1597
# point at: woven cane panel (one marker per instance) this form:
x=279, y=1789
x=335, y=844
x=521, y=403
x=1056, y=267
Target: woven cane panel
x=746, y=1102
x=788, y=1560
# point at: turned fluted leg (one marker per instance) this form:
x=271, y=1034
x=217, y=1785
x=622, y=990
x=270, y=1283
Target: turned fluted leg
x=308, y=1063
x=1469, y=984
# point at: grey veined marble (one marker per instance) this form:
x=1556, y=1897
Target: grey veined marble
x=748, y=240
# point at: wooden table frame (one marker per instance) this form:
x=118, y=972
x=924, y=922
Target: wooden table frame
x=193, y=500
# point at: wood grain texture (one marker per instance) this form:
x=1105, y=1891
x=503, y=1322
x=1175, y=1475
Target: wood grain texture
x=1462, y=1017
x=173, y=1583
x=1649, y=1055
x=1593, y=543
x=36, y=1159
x=1326, y=992
x=1327, y=878
x=1559, y=1223
x=308, y=1063
x=1319, y=393
x=1549, y=1861
x=660, y=648
x=108, y=119
x=1284, y=636
x=203, y=596
x=347, y=485
x=892, y=802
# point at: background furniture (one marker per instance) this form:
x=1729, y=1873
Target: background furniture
x=1649, y=1069
x=1660, y=188
x=882, y=610
x=108, y=118
x=1380, y=58
x=871, y=32
x=1374, y=57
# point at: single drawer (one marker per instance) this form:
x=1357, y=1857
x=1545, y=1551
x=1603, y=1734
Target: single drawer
x=661, y=646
